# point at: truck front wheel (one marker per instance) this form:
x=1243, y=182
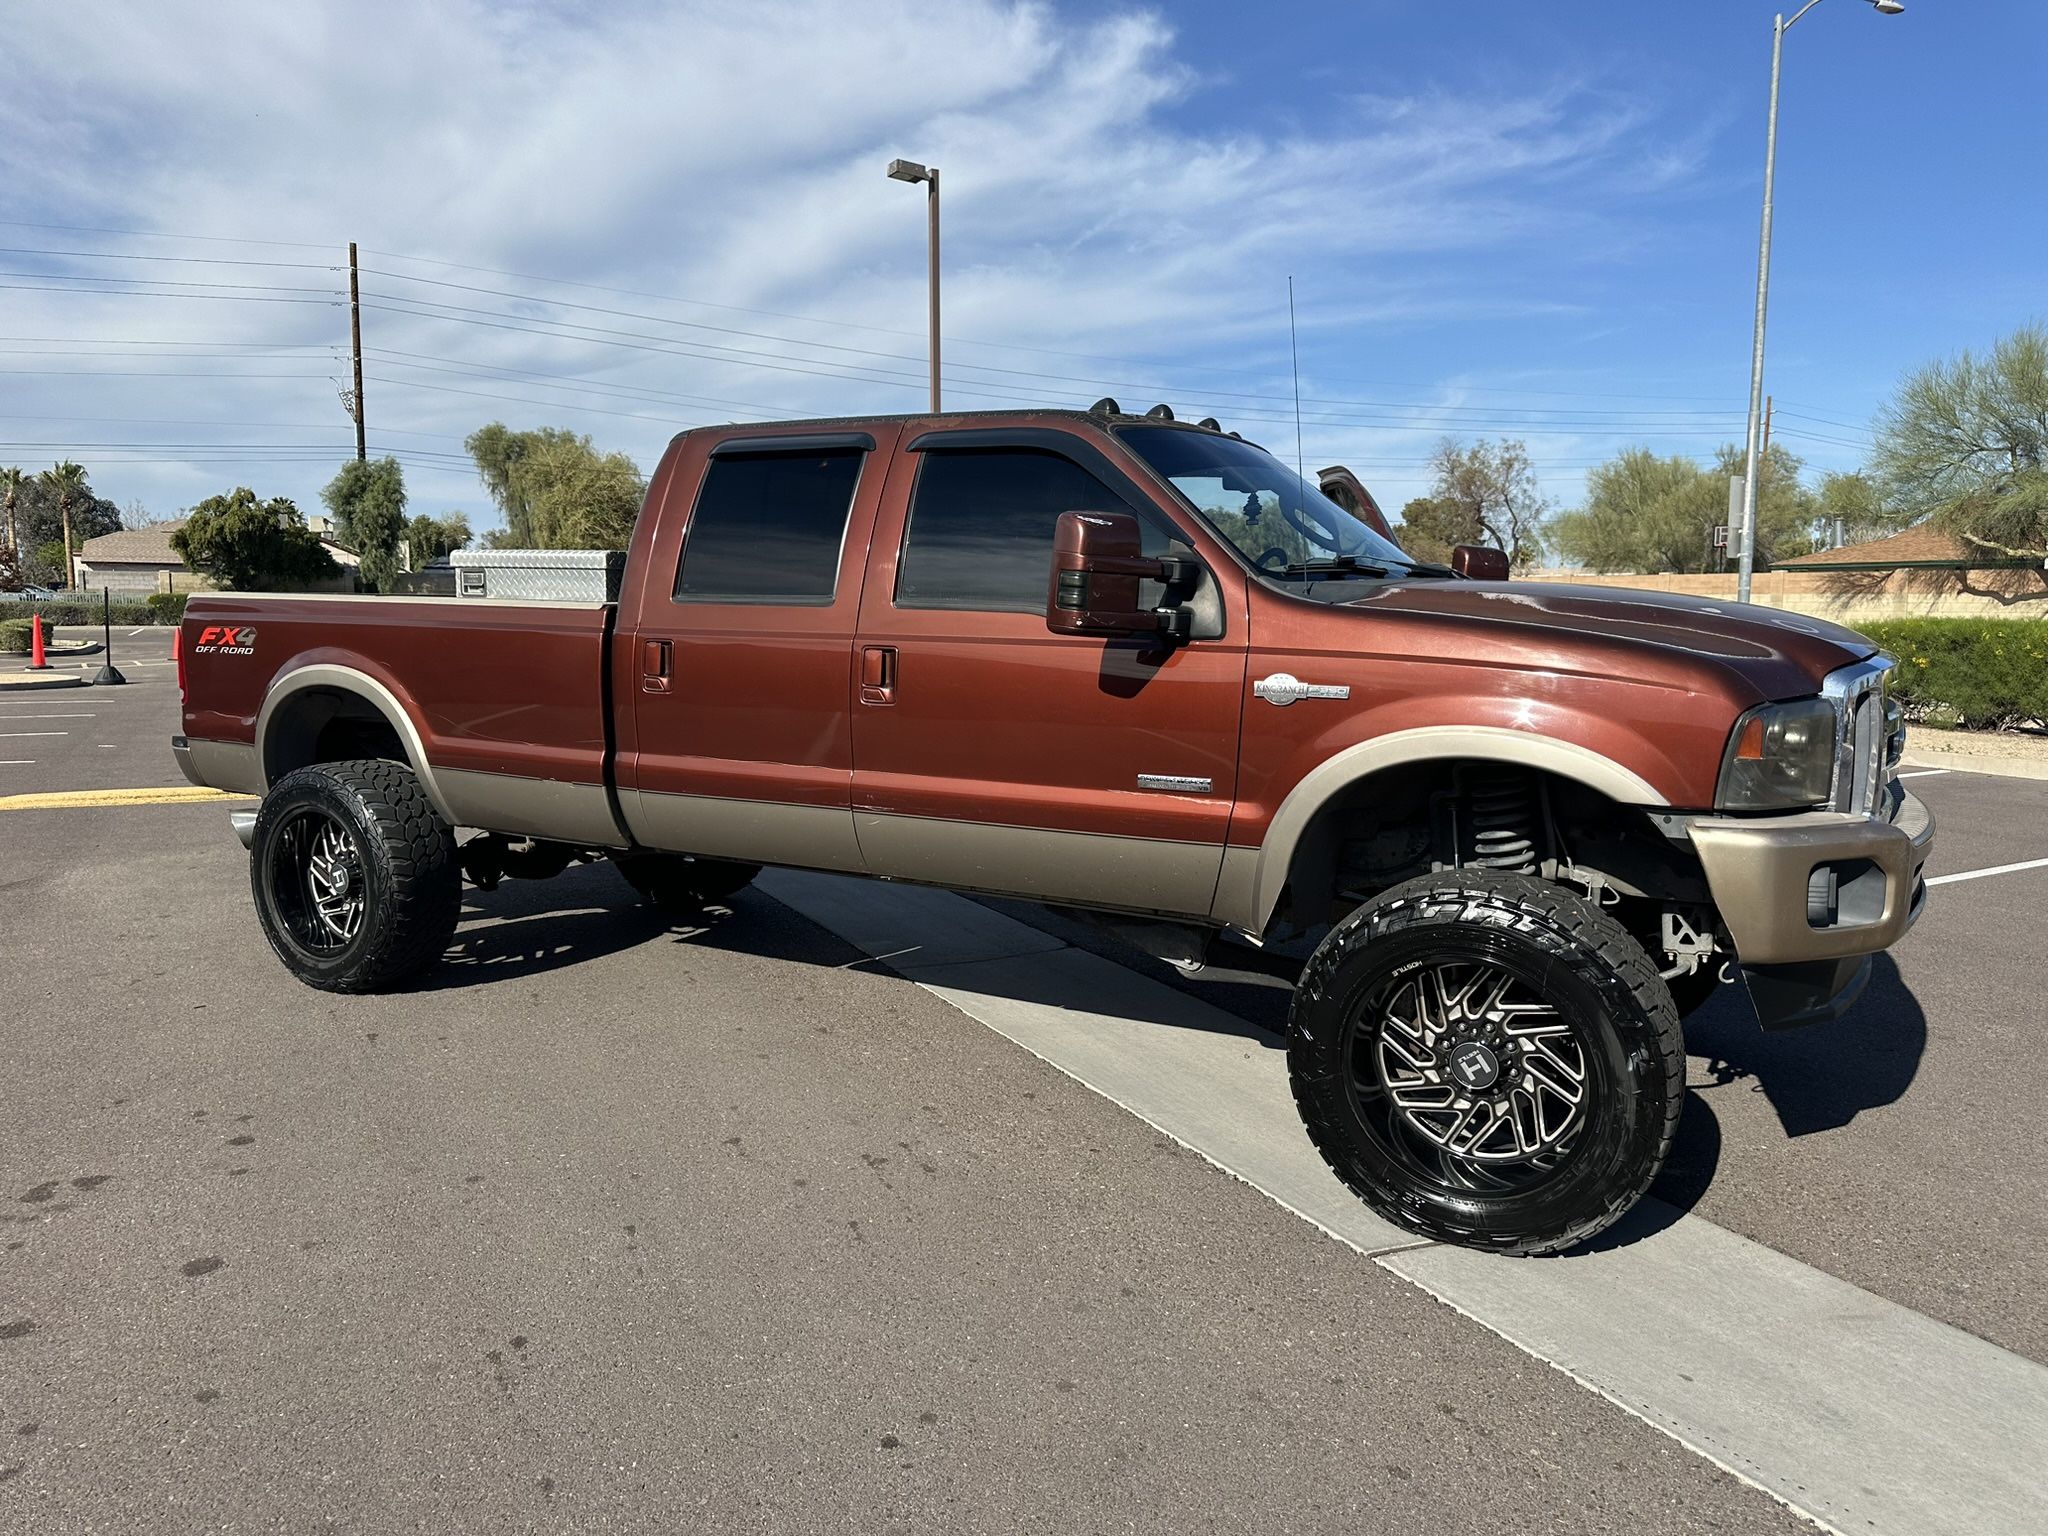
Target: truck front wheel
x=355, y=875
x=1488, y=1060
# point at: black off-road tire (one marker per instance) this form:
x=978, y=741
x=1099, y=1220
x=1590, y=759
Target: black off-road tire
x=409, y=876
x=680, y=884
x=1567, y=953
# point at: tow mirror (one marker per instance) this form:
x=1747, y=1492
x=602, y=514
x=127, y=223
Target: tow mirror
x=1098, y=559
x=1479, y=562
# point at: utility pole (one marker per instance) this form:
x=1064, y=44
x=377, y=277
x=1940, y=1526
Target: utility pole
x=355, y=337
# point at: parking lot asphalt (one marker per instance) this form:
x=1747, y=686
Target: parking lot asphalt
x=612, y=1226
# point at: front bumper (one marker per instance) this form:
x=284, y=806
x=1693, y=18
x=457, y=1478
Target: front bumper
x=1808, y=899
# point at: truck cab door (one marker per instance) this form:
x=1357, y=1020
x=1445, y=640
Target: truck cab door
x=734, y=686
x=991, y=754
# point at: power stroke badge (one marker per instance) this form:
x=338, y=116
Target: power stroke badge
x=216, y=640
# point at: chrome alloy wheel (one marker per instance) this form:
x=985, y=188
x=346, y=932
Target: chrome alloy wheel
x=1475, y=1065
x=317, y=882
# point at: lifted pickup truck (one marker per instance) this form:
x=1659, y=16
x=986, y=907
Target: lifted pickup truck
x=1138, y=667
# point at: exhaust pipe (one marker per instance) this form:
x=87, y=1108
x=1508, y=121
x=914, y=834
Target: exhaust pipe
x=244, y=823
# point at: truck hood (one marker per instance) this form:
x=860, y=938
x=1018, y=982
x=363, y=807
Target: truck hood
x=1782, y=654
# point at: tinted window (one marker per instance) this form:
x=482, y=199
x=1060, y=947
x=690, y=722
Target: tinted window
x=768, y=528
x=981, y=527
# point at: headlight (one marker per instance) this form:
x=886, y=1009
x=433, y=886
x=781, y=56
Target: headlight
x=1780, y=756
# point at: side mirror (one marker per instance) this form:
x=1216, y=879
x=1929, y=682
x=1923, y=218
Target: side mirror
x=1479, y=562
x=1098, y=559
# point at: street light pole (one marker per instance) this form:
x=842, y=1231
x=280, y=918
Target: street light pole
x=1746, y=567
x=911, y=171
x=1752, y=467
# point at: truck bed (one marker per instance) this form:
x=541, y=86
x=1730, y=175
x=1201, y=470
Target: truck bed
x=503, y=706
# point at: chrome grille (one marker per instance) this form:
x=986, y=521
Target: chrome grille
x=1861, y=733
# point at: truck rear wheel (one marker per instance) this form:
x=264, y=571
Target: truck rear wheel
x=1488, y=1060
x=355, y=875
x=681, y=884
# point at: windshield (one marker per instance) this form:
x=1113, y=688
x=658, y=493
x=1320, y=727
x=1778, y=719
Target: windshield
x=1281, y=523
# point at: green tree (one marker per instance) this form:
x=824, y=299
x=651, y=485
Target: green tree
x=12, y=479
x=66, y=485
x=499, y=451
x=1649, y=514
x=1493, y=487
x=248, y=545
x=1966, y=441
x=555, y=489
x=42, y=504
x=1784, y=508
x=1431, y=526
x=1857, y=501
x=431, y=538
x=368, y=503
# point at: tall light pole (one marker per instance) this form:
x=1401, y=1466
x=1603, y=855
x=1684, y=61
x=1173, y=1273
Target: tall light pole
x=1751, y=467
x=911, y=171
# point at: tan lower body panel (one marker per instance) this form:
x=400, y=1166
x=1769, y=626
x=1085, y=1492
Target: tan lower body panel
x=547, y=808
x=1087, y=868
x=751, y=831
x=229, y=765
x=1237, y=891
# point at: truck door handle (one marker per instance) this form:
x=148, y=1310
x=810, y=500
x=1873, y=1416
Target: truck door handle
x=878, y=675
x=657, y=665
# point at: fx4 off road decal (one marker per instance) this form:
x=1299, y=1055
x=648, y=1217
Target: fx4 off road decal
x=226, y=640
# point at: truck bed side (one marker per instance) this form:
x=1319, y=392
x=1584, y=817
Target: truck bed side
x=500, y=707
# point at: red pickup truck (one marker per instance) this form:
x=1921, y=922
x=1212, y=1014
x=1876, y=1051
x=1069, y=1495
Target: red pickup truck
x=1138, y=667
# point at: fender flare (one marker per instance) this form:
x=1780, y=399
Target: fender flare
x=350, y=680
x=1249, y=893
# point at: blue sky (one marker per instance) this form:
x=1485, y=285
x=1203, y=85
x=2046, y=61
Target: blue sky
x=1502, y=218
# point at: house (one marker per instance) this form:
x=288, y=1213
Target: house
x=1922, y=571
x=1923, y=547
x=138, y=561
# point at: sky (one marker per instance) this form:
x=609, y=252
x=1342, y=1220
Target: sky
x=1501, y=219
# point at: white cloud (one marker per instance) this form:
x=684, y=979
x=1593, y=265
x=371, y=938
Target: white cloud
x=1096, y=202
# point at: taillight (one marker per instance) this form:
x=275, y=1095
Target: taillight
x=178, y=655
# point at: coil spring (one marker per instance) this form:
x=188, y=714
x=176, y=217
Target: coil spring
x=1504, y=822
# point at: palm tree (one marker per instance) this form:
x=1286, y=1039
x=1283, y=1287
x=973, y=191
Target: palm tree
x=12, y=479
x=66, y=482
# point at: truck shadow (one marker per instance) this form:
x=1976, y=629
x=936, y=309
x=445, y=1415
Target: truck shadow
x=529, y=927
x=1822, y=1078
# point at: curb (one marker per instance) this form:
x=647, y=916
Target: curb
x=39, y=684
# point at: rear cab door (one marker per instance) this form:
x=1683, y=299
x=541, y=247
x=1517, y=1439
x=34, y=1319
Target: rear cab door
x=732, y=688
x=992, y=754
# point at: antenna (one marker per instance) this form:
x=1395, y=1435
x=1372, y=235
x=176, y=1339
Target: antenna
x=1294, y=347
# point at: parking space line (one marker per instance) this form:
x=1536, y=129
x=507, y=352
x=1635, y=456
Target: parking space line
x=87, y=715
x=1795, y=1381
x=9, y=735
x=1921, y=773
x=1996, y=869
x=17, y=762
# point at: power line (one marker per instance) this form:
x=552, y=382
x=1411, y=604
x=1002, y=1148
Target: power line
x=152, y=234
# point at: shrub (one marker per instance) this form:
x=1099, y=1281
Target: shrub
x=167, y=607
x=14, y=640
x=1982, y=674
x=81, y=609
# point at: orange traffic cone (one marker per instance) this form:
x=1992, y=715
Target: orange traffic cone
x=38, y=659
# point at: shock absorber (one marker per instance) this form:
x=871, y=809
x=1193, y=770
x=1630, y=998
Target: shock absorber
x=1504, y=821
